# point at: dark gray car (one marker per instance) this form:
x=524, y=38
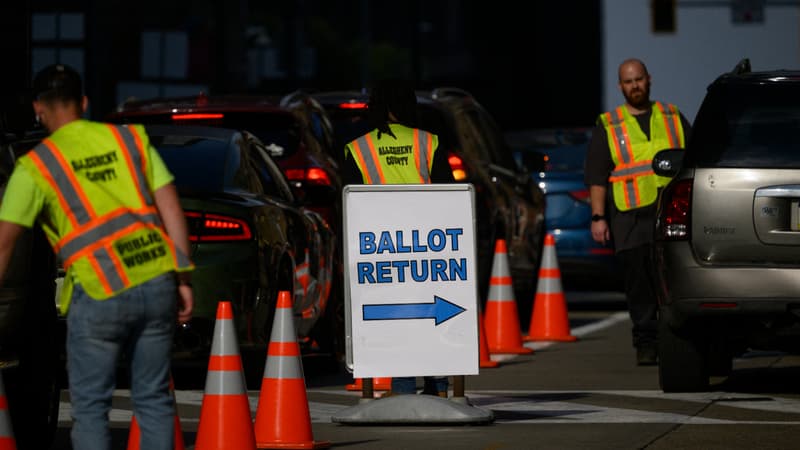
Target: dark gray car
x=728, y=232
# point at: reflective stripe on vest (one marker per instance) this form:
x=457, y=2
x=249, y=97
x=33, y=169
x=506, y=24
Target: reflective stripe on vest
x=627, y=172
x=91, y=236
x=369, y=159
x=671, y=124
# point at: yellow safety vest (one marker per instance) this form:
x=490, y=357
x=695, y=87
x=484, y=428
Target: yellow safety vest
x=406, y=159
x=107, y=235
x=632, y=181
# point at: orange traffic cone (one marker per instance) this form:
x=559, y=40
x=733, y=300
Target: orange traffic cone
x=225, y=418
x=484, y=361
x=378, y=384
x=549, y=319
x=282, y=417
x=134, y=436
x=503, y=334
x=7, y=441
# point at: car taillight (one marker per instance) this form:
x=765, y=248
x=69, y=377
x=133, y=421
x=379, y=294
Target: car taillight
x=674, y=219
x=457, y=166
x=581, y=195
x=197, y=116
x=216, y=228
x=311, y=176
x=353, y=105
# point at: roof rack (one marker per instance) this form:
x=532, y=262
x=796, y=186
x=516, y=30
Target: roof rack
x=742, y=67
x=449, y=91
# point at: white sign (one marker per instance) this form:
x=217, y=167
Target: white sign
x=410, y=280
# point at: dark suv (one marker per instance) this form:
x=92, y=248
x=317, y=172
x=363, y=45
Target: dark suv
x=727, y=247
x=31, y=336
x=508, y=204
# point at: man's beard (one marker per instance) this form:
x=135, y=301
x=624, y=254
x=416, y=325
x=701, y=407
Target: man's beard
x=638, y=99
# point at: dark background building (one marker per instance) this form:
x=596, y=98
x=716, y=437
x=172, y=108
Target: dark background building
x=536, y=65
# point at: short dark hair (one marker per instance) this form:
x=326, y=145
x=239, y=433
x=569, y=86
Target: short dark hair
x=393, y=95
x=57, y=82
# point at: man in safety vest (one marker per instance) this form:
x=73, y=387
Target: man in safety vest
x=106, y=203
x=395, y=152
x=624, y=189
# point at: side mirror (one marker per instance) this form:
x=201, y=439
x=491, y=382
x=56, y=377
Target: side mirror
x=667, y=163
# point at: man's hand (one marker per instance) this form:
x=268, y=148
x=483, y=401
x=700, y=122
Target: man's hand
x=185, y=303
x=600, y=231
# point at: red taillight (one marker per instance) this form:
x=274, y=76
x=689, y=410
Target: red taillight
x=457, y=166
x=312, y=176
x=674, y=219
x=216, y=228
x=581, y=195
x=197, y=116
x=353, y=105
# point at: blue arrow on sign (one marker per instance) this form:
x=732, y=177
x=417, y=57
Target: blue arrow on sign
x=440, y=309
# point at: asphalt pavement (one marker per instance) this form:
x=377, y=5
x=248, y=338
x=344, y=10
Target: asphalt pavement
x=587, y=394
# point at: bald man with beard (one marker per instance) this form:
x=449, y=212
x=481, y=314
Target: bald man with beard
x=623, y=191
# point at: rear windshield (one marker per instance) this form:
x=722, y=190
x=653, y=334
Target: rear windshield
x=279, y=132
x=753, y=126
x=198, y=163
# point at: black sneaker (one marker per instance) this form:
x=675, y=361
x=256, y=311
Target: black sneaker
x=646, y=355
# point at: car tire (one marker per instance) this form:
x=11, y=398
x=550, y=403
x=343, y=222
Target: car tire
x=683, y=361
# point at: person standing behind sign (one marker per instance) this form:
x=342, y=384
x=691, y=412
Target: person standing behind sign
x=396, y=152
x=106, y=203
x=621, y=181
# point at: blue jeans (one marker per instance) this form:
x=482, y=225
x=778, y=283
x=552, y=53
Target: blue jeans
x=139, y=324
x=408, y=385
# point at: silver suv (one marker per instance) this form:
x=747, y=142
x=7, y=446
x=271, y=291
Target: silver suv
x=727, y=250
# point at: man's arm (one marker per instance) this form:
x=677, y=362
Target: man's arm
x=597, y=166
x=9, y=233
x=169, y=207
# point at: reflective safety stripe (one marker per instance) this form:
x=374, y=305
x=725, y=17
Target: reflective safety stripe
x=629, y=171
x=283, y=367
x=46, y=157
x=71, y=245
x=670, y=118
x=224, y=382
x=115, y=279
x=134, y=155
x=362, y=147
x=224, y=347
x=624, y=153
x=421, y=153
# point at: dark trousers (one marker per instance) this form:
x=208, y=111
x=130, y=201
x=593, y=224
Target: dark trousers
x=640, y=293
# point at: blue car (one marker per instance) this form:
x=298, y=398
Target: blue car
x=567, y=205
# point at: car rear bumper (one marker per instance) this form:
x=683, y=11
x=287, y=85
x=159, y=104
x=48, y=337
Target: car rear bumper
x=687, y=289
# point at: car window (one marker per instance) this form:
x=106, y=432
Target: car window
x=272, y=178
x=197, y=163
x=747, y=126
x=247, y=173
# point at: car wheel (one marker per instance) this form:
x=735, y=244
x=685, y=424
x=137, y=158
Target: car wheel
x=682, y=359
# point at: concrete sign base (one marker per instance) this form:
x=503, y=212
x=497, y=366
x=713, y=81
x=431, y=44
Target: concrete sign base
x=413, y=409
